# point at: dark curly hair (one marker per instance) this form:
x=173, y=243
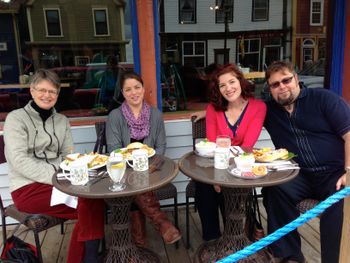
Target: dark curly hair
x=216, y=98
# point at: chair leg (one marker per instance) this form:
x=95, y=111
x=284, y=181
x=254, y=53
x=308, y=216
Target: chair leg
x=176, y=219
x=187, y=223
x=256, y=201
x=38, y=246
x=62, y=228
x=4, y=234
x=103, y=245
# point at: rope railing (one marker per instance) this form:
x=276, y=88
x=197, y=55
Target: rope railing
x=308, y=215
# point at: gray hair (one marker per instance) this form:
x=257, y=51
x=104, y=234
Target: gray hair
x=45, y=74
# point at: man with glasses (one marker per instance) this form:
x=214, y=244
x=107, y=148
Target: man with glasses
x=315, y=125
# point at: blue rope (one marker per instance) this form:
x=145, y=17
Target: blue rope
x=253, y=248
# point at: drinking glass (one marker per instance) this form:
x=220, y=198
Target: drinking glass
x=116, y=166
x=223, y=141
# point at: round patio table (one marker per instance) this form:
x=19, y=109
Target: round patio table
x=235, y=192
x=162, y=170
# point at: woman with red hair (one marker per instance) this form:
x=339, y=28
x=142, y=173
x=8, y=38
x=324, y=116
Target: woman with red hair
x=234, y=112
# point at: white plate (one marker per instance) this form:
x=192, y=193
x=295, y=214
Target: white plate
x=129, y=158
x=237, y=173
x=65, y=165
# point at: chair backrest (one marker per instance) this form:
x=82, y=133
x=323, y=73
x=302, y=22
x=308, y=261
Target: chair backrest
x=198, y=130
x=2, y=149
x=101, y=143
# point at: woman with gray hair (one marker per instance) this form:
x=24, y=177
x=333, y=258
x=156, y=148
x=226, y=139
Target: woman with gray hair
x=36, y=140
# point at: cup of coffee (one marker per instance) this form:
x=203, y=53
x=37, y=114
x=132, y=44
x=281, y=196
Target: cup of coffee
x=78, y=174
x=221, y=157
x=139, y=160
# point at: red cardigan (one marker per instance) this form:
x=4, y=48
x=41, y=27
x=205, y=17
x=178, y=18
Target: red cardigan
x=249, y=129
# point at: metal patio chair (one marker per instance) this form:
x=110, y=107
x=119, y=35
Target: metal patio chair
x=34, y=222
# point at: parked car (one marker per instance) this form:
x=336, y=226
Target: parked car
x=312, y=75
x=88, y=76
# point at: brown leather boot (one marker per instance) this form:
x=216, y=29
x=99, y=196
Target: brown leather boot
x=150, y=207
x=138, y=228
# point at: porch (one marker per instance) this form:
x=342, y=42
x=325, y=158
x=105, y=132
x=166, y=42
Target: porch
x=55, y=245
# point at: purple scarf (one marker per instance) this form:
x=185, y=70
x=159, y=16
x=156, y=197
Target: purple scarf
x=139, y=128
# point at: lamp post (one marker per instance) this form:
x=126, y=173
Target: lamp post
x=226, y=11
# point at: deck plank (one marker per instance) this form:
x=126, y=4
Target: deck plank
x=179, y=254
x=55, y=245
x=310, y=238
x=53, y=239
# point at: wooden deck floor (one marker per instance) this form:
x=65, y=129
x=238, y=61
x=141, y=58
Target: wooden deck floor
x=55, y=245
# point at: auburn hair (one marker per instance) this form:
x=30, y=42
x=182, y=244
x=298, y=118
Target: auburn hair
x=216, y=98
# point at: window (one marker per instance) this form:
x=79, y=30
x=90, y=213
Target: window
x=101, y=21
x=249, y=53
x=81, y=60
x=53, y=22
x=308, y=50
x=3, y=46
x=225, y=9
x=187, y=11
x=193, y=53
x=260, y=10
x=316, y=13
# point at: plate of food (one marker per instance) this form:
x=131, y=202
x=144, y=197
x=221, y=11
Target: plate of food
x=127, y=151
x=258, y=171
x=267, y=155
x=93, y=160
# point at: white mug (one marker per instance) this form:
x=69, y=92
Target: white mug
x=78, y=174
x=221, y=158
x=139, y=160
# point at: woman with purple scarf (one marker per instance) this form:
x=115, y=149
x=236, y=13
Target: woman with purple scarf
x=137, y=121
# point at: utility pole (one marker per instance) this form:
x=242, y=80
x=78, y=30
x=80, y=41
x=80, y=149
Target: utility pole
x=226, y=10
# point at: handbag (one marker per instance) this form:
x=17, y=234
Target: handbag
x=16, y=250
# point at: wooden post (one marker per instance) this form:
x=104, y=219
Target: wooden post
x=147, y=49
x=345, y=240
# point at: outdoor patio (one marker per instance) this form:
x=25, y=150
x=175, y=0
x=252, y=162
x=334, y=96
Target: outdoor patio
x=55, y=245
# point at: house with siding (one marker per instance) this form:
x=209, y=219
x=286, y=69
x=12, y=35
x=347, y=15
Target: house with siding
x=75, y=33
x=9, y=42
x=310, y=20
x=198, y=33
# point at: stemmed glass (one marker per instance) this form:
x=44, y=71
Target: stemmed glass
x=116, y=166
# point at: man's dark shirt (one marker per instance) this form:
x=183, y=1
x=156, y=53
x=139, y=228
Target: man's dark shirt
x=313, y=131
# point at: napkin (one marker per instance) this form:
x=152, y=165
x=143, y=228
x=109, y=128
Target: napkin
x=58, y=197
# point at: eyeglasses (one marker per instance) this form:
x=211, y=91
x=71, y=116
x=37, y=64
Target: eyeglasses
x=52, y=93
x=285, y=81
